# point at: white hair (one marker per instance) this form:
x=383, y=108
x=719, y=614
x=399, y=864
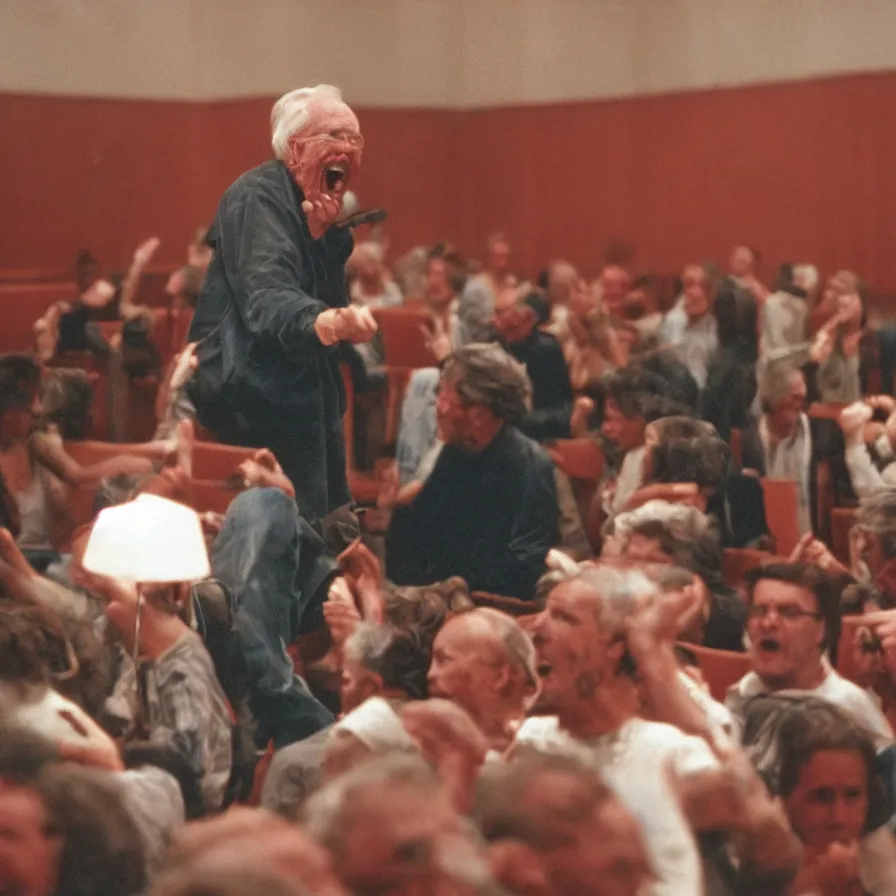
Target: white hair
x=292, y=112
x=675, y=517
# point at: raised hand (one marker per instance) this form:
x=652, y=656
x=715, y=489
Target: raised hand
x=145, y=251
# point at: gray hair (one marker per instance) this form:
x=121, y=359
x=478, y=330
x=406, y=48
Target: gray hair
x=292, y=112
x=483, y=373
x=617, y=591
x=806, y=277
x=775, y=381
x=514, y=639
x=368, y=644
x=326, y=814
x=877, y=514
x=687, y=535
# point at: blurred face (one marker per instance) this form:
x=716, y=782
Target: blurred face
x=850, y=306
x=793, y=405
x=602, y=854
x=28, y=855
x=438, y=288
x=638, y=302
x=581, y=301
x=741, y=264
x=326, y=156
x=696, y=292
x=358, y=684
x=369, y=269
x=641, y=549
x=786, y=632
x=624, y=432
x=514, y=323
x=830, y=801
x=17, y=423
x=397, y=840
x=466, y=665
x=498, y=260
x=571, y=651
x=614, y=282
x=453, y=421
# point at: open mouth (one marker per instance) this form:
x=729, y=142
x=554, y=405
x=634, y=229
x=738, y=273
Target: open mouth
x=769, y=645
x=335, y=178
x=543, y=669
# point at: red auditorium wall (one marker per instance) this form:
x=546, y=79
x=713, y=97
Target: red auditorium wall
x=802, y=170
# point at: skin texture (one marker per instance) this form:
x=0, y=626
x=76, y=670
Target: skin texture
x=28, y=856
x=695, y=284
x=786, y=653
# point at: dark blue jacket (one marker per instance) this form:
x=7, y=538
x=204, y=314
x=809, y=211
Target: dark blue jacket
x=264, y=377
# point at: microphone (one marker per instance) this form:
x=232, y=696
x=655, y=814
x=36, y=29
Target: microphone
x=372, y=216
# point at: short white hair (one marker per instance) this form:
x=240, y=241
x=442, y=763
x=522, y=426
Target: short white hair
x=806, y=276
x=292, y=112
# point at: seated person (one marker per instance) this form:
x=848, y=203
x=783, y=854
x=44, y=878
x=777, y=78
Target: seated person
x=870, y=467
x=34, y=465
x=678, y=535
x=488, y=511
x=780, y=443
x=786, y=310
x=481, y=291
x=642, y=306
x=690, y=327
x=792, y=609
x=836, y=350
x=696, y=470
x=554, y=414
x=742, y=269
x=371, y=283
x=823, y=767
x=731, y=373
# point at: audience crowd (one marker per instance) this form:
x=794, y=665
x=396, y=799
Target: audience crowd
x=508, y=684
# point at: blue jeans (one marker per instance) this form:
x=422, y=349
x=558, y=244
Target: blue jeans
x=275, y=565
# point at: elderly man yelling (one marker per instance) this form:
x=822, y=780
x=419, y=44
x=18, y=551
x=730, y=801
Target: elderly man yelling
x=273, y=311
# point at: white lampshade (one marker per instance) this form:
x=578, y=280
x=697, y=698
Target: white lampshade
x=150, y=539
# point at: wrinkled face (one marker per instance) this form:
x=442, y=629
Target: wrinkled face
x=830, y=801
x=437, y=285
x=785, y=630
x=326, y=156
x=696, y=291
x=641, y=549
x=614, y=284
x=358, y=684
x=498, y=260
x=453, y=415
x=396, y=841
x=571, y=650
x=602, y=854
x=741, y=263
x=624, y=432
x=28, y=855
x=465, y=665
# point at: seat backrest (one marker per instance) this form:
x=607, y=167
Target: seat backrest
x=721, y=668
x=215, y=462
x=782, y=512
x=842, y=521
x=21, y=305
x=404, y=343
x=578, y=458
x=737, y=562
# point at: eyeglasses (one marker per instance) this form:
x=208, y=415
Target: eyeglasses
x=786, y=613
x=355, y=141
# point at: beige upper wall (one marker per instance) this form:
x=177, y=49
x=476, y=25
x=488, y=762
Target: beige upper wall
x=435, y=53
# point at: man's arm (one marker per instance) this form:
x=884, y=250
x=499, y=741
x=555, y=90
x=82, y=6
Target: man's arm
x=266, y=270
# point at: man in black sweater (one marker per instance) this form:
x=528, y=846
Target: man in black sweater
x=488, y=511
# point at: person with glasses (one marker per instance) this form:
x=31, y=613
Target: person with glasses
x=274, y=307
x=790, y=615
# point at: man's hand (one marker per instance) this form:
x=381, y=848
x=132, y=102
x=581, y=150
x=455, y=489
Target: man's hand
x=810, y=550
x=352, y=324
x=835, y=872
x=673, y=492
x=437, y=339
x=321, y=210
x=145, y=251
x=883, y=623
x=660, y=618
x=582, y=409
x=853, y=418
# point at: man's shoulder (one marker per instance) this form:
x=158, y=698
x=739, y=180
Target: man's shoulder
x=270, y=179
x=530, y=452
